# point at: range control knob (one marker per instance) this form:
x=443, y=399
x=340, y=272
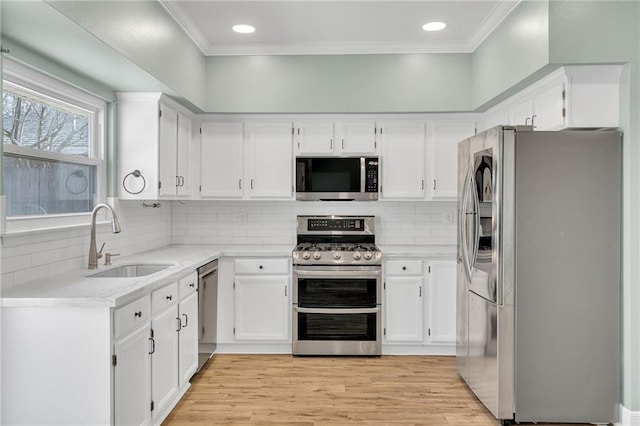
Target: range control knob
x=306, y=255
x=357, y=255
x=367, y=255
x=337, y=255
x=317, y=255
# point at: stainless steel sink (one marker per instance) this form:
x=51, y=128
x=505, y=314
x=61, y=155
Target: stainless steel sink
x=130, y=271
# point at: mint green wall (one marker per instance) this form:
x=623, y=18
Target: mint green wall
x=144, y=33
x=339, y=83
x=513, y=52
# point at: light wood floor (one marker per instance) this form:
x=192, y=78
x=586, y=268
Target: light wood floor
x=287, y=390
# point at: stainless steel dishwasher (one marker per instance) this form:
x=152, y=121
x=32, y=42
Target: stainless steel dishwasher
x=207, y=311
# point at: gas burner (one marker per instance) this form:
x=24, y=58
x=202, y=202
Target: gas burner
x=330, y=240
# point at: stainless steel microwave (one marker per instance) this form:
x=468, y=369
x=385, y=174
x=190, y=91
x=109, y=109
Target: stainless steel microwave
x=337, y=178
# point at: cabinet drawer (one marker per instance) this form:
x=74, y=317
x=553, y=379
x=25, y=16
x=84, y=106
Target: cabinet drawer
x=187, y=285
x=164, y=297
x=403, y=267
x=131, y=316
x=262, y=266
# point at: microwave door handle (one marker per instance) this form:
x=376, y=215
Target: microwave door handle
x=363, y=175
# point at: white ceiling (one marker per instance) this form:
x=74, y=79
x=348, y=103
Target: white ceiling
x=338, y=26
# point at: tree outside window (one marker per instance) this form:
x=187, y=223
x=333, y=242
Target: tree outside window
x=47, y=164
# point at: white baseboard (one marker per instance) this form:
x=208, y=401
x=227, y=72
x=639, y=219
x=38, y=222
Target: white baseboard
x=628, y=417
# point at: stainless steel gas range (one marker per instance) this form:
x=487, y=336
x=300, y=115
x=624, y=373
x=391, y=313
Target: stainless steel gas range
x=337, y=290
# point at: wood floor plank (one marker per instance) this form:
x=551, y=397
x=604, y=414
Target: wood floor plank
x=312, y=391
x=326, y=391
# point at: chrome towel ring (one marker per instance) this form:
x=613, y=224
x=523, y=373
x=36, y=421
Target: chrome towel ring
x=137, y=174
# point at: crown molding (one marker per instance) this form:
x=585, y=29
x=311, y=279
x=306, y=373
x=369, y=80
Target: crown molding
x=188, y=26
x=333, y=49
x=502, y=9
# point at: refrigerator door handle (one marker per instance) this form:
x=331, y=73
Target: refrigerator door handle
x=464, y=221
x=476, y=224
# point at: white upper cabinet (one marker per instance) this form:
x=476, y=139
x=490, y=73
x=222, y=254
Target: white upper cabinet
x=246, y=160
x=269, y=160
x=314, y=137
x=584, y=96
x=154, y=147
x=442, y=154
x=326, y=138
x=175, y=153
x=403, y=159
x=357, y=137
x=221, y=160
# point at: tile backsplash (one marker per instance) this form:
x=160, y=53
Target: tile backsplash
x=38, y=255
x=274, y=222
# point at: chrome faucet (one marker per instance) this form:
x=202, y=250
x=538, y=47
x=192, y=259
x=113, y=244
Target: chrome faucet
x=115, y=227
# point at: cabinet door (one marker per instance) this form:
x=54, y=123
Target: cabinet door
x=262, y=308
x=403, y=160
x=164, y=360
x=221, y=160
x=357, y=137
x=132, y=378
x=442, y=302
x=183, y=152
x=443, y=138
x=168, y=149
x=270, y=160
x=521, y=113
x=404, y=309
x=548, y=107
x=188, y=343
x=314, y=138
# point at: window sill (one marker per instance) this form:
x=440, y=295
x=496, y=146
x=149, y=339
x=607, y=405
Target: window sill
x=12, y=238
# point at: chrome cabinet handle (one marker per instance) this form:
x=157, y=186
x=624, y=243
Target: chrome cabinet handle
x=153, y=345
x=169, y=297
x=179, y=324
x=186, y=321
x=239, y=183
x=138, y=314
x=192, y=285
x=533, y=121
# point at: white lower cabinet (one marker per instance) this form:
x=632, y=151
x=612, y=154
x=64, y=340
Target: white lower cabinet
x=188, y=356
x=419, y=307
x=441, y=277
x=262, y=303
x=153, y=363
x=164, y=358
x=132, y=363
x=403, y=301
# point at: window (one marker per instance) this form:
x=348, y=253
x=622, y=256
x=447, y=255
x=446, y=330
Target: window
x=53, y=148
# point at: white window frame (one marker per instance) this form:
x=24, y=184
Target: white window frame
x=29, y=79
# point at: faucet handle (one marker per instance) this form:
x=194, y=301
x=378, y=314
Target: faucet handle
x=99, y=254
x=107, y=258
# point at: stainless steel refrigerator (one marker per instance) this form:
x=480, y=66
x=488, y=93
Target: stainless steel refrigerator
x=539, y=273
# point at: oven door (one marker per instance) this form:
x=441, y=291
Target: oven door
x=336, y=310
x=337, y=286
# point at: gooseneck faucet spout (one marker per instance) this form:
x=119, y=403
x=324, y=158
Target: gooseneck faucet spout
x=115, y=227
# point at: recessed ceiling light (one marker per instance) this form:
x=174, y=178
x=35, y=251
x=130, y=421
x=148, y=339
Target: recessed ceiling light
x=243, y=28
x=434, y=26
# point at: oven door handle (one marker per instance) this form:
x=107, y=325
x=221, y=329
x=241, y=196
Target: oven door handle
x=337, y=274
x=337, y=311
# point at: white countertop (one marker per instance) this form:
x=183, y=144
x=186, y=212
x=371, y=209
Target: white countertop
x=78, y=290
